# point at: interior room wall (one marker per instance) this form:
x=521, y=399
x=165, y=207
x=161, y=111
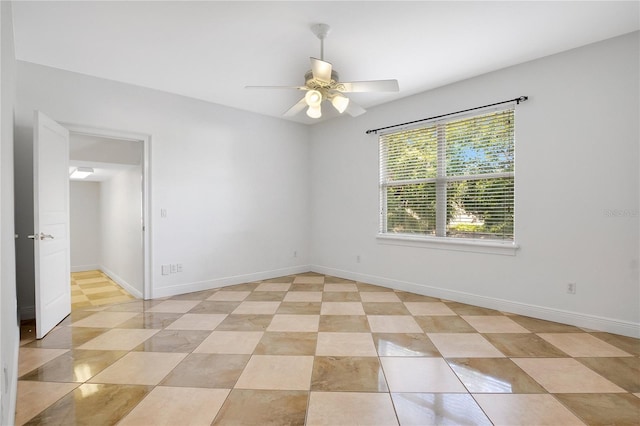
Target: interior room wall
x=577, y=187
x=121, y=229
x=9, y=330
x=84, y=225
x=234, y=185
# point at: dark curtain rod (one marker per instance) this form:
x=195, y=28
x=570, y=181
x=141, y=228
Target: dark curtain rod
x=517, y=100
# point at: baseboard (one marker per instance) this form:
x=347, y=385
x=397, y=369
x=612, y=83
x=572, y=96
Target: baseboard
x=83, y=268
x=121, y=282
x=27, y=312
x=176, y=289
x=577, y=319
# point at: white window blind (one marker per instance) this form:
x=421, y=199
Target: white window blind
x=450, y=178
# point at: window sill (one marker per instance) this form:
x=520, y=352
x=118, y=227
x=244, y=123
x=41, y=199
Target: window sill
x=456, y=244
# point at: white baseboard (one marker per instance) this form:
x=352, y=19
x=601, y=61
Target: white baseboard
x=593, y=322
x=176, y=289
x=82, y=268
x=121, y=282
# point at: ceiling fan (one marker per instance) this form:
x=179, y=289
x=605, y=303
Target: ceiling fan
x=322, y=84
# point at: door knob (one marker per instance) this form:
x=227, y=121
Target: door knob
x=42, y=236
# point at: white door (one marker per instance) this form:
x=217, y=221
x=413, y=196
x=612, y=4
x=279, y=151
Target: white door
x=51, y=222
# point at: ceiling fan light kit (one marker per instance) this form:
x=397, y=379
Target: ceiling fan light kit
x=322, y=83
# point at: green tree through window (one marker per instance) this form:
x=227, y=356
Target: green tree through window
x=450, y=178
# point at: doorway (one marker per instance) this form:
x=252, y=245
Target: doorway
x=108, y=215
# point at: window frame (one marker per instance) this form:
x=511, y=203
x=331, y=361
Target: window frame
x=441, y=240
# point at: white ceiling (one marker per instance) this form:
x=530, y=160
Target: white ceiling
x=211, y=50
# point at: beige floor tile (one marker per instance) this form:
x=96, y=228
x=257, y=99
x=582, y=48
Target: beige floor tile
x=111, y=300
x=277, y=372
x=341, y=308
x=493, y=375
x=344, y=323
x=345, y=344
x=525, y=410
x=303, y=296
x=230, y=342
x=263, y=408
x=309, y=280
x=623, y=371
x=32, y=358
x=174, y=306
x=93, y=404
x=428, y=308
x=197, y=322
x=119, y=339
x=348, y=374
x=172, y=406
x=565, y=375
x=250, y=307
x=303, y=323
x=408, y=374
x=404, y=344
x=494, y=324
x=393, y=324
x=341, y=296
x=139, y=368
x=33, y=397
x=287, y=343
x=266, y=296
x=437, y=409
x=350, y=408
x=273, y=287
x=340, y=287
x=379, y=296
x=582, y=345
x=384, y=308
x=464, y=345
x=603, y=409
x=104, y=319
x=229, y=296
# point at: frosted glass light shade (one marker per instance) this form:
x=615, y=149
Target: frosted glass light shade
x=314, y=112
x=340, y=103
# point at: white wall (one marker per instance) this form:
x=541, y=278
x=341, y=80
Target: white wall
x=84, y=225
x=576, y=160
x=9, y=330
x=234, y=184
x=121, y=229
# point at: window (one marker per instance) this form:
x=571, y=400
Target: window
x=450, y=179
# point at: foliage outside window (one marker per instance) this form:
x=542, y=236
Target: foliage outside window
x=451, y=178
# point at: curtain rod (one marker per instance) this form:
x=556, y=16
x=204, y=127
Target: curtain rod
x=517, y=100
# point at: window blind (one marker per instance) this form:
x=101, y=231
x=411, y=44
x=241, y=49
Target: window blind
x=450, y=178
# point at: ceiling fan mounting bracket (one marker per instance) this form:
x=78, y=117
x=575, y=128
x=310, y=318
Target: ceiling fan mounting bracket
x=320, y=30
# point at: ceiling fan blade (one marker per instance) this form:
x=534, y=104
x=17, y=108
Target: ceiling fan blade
x=277, y=87
x=321, y=70
x=369, y=86
x=354, y=110
x=302, y=104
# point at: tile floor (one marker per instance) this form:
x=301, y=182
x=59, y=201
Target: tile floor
x=319, y=350
x=95, y=288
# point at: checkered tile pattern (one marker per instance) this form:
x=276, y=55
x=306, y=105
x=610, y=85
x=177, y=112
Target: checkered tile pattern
x=320, y=350
x=95, y=288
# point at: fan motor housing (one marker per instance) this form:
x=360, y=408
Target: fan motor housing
x=312, y=83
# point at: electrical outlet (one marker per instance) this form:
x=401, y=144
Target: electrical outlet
x=571, y=288
x=295, y=253
x=174, y=268
x=166, y=270
x=179, y=267
x=358, y=258
x=163, y=213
